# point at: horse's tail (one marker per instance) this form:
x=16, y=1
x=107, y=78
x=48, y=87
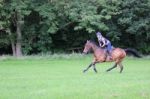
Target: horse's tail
x=133, y=52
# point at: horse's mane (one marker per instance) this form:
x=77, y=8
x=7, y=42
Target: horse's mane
x=96, y=44
x=93, y=42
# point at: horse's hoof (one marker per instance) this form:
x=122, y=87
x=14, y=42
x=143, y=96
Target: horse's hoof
x=95, y=72
x=84, y=71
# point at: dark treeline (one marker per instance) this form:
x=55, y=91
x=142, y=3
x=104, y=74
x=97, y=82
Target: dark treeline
x=41, y=26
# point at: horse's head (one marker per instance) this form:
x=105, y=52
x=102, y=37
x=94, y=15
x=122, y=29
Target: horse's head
x=87, y=47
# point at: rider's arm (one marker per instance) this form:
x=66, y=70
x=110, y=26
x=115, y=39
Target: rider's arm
x=103, y=43
x=100, y=44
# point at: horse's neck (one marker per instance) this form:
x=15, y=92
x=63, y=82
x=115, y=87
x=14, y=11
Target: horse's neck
x=94, y=47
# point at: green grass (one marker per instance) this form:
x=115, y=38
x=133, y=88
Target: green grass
x=62, y=78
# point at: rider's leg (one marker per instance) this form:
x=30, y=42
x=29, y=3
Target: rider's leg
x=109, y=49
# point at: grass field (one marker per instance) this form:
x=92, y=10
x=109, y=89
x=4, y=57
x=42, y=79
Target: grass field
x=62, y=78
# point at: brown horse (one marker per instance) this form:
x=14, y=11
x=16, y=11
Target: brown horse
x=100, y=55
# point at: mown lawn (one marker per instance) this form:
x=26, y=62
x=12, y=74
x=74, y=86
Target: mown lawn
x=62, y=78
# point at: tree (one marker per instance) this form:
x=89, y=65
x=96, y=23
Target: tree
x=134, y=23
x=40, y=26
x=13, y=13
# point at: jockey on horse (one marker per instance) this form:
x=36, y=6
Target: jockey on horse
x=103, y=42
x=100, y=55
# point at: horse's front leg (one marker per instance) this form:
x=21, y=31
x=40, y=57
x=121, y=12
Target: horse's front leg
x=94, y=67
x=88, y=67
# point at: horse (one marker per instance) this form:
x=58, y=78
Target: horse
x=100, y=55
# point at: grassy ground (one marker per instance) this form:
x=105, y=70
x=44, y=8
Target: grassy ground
x=62, y=78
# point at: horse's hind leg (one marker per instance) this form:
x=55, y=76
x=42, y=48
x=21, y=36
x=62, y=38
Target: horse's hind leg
x=114, y=66
x=121, y=67
x=88, y=67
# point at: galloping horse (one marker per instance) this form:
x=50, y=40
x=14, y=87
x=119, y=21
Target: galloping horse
x=100, y=55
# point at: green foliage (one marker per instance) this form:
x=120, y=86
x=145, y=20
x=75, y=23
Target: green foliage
x=49, y=25
x=135, y=22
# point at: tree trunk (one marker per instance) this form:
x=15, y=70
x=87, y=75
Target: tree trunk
x=19, y=36
x=12, y=41
x=13, y=48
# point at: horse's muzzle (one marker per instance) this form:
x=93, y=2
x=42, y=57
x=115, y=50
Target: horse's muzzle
x=84, y=53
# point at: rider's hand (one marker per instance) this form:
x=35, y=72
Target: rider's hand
x=102, y=45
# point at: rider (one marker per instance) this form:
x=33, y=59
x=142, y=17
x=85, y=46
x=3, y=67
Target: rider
x=103, y=42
